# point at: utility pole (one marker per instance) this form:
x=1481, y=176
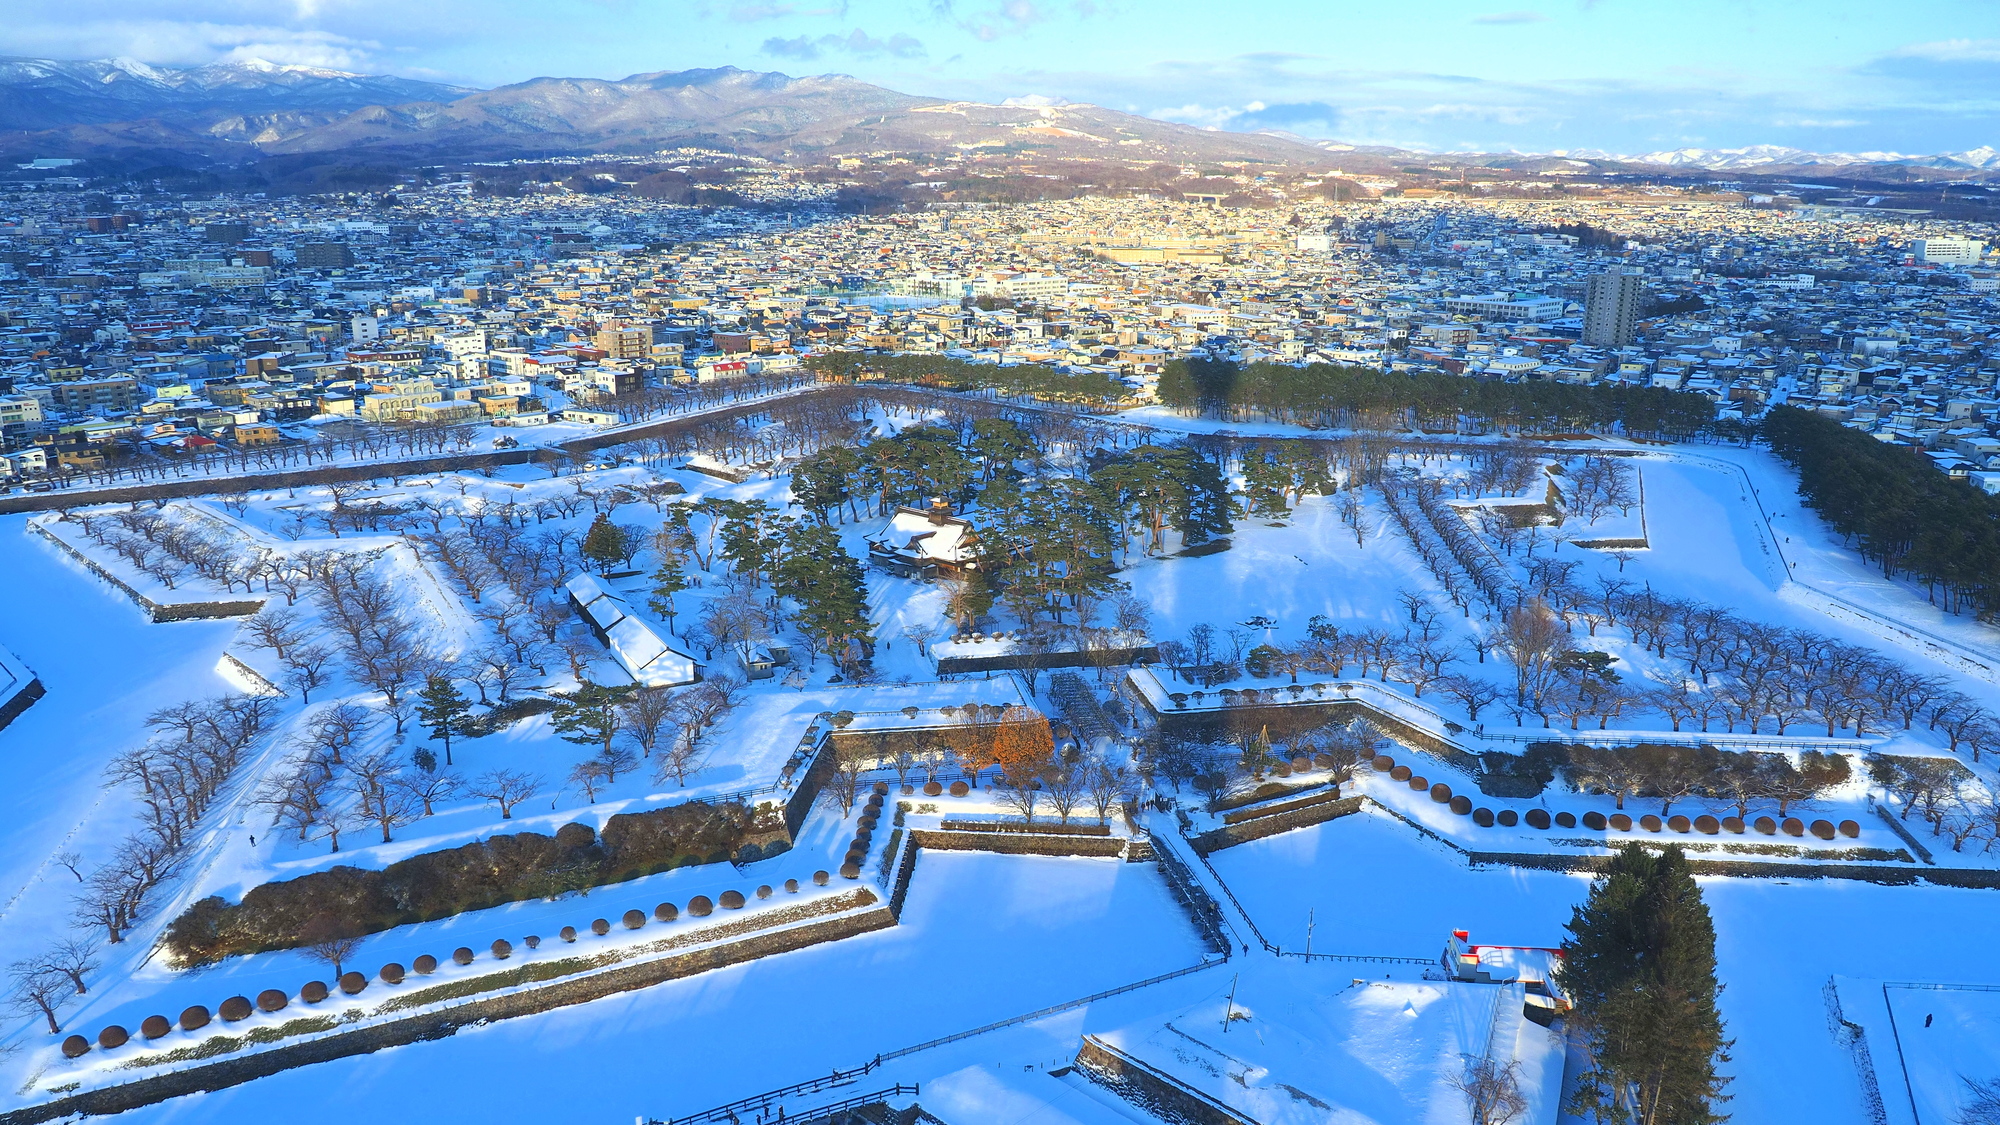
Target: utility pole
x=1230, y=1013
x=1309, y=931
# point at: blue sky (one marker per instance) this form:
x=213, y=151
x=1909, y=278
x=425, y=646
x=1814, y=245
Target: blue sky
x=1621, y=75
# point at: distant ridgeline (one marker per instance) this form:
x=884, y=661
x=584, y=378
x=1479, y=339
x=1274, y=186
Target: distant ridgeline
x=1900, y=511
x=956, y=374
x=1323, y=394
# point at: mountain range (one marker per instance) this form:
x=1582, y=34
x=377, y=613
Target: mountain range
x=251, y=109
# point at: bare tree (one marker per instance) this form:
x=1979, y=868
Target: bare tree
x=425, y=784
x=501, y=667
x=72, y=959
x=702, y=708
x=329, y=939
x=1065, y=783
x=380, y=798
x=1492, y=1091
x=1108, y=785
x=38, y=990
x=297, y=795
x=1605, y=769
x=70, y=860
x=920, y=635
x=587, y=775
x=331, y=823
x=1472, y=694
x=615, y=761
x=843, y=785
x=506, y=788
x=305, y=670
x=275, y=629
x=642, y=716
x=1532, y=640
x=1982, y=1103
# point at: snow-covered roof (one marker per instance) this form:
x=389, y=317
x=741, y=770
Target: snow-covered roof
x=912, y=532
x=635, y=644
x=603, y=607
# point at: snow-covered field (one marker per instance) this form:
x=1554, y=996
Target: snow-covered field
x=982, y=938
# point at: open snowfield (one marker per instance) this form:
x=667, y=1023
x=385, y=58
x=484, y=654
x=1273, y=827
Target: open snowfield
x=1375, y=887
x=1298, y=1044
x=1942, y=1037
x=983, y=938
x=105, y=667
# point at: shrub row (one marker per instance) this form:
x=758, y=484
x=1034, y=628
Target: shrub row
x=1540, y=819
x=197, y=1017
x=864, y=832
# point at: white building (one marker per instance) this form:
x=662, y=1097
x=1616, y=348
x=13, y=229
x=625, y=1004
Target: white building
x=635, y=644
x=1948, y=251
x=1500, y=306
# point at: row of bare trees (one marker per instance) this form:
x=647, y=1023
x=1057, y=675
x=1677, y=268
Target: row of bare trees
x=1945, y=795
x=332, y=782
x=185, y=765
x=1734, y=780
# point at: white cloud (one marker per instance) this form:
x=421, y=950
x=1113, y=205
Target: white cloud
x=856, y=43
x=1952, y=50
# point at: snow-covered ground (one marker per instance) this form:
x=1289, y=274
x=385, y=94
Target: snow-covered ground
x=984, y=936
x=1297, y=1043
x=1370, y=886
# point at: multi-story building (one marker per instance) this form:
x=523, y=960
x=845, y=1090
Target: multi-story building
x=624, y=343
x=20, y=420
x=118, y=394
x=325, y=256
x=1948, y=251
x=1611, y=308
x=1518, y=308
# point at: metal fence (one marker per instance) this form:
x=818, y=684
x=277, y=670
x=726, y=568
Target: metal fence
x=1053, y=1009
x=769, y=1099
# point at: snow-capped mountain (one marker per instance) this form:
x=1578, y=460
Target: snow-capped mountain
x=1760, y=156
x=50, y=94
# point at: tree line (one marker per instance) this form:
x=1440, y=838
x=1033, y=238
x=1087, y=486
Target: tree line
x=1035, y=380
x=1895, y=507
x=1327, y=395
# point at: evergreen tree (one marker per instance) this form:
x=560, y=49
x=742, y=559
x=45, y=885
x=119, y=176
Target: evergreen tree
x=604, y=544
x=588, y=716
x=1364, y=398
x=998, y=443
x=1896, y=506
x=825, y=481
x=828, y=586
x=444, y=710
x=1639, y=968
x=750, y=539
x=668, y=580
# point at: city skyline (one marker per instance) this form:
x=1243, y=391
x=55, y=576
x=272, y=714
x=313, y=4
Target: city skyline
x=1459, y=76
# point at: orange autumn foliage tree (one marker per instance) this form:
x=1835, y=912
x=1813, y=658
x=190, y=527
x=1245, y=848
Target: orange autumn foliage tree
x=1023, y=743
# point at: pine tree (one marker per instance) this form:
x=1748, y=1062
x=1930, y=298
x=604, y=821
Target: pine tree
x=668, y=580
x=1639, y=968
x=604, y=543
x=830, y=590
x=444, y=709
x=588, y=716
